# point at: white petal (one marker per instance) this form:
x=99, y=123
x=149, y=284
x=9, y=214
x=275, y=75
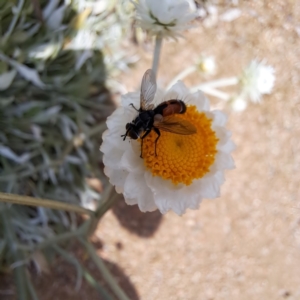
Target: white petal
x=210, y=185
x=129, y=98
x=131, y=160
x=180, y=9
x=131, y=201
x=115, y=155
x=222, y=134
x=166, y=17
x=116, y=178
x=224, y=161
x=219, y=119
x=199, y=100
x=227, y=147
x=135, y=188
x=177, y=91
x=169, y=197
x=116, y=123
x=257, y=79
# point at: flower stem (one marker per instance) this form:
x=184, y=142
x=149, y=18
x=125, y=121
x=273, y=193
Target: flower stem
x=213, y=92
x=72, y=260
x=104, y=270
x=106, y=202
x=31, y=201
x=14, y=20
x=217, y=83
x=16, y=255
x=109, y=199
x=80, y=231
x=93, y=282
x=182, y=75
x=82, y=272
x=31, y=288
x=156, y=54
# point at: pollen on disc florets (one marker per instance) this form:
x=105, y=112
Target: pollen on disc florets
x=182, y=158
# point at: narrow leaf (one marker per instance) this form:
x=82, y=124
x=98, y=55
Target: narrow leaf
x=45, y=116
x=52, y=4
x=29, y=74
x=8, y=153
x=55, y=20
x=6, y=79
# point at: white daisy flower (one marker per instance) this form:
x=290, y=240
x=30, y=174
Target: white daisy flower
x=256, y=80
x=164, y=17
x=187, y=166
x=238, y=104
x=207, y=64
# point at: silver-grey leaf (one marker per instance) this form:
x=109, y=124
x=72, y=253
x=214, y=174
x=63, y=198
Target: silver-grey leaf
x=47, y=114
x=6, y=79
x=8, y=153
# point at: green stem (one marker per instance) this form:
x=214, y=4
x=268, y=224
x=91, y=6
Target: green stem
x=14, y=21
x=81, y=271
x=101, y=209
x=73, y=260
x=20, y=282
x=104, y=271
x=93, y=282
x=19, y=271
x=107, y=205
x=31, y=289
x=81, y=231
x=31, y=201
x=156, y=54
x=108, y=200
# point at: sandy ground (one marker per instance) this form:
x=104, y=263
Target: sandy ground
x=246, y=244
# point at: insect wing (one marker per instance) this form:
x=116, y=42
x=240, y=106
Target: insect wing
x=176, y=125
x=148, y=89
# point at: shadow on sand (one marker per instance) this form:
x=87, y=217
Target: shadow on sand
x=140, y=223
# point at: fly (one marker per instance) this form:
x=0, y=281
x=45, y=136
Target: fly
x=162, y=117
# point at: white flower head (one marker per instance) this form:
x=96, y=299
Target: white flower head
x=238, y=104
x=256, y=80
x=207, y=64
x=182, y=168
x=164, y=17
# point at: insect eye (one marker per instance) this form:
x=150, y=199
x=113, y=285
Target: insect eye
x=134, y=135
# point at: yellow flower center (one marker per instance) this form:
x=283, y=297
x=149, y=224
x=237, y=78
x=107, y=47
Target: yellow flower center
x=182, y=158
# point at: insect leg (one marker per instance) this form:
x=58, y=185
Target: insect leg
x=131, y=104
x=142, y=138
x=158, y=136
x=125, y=135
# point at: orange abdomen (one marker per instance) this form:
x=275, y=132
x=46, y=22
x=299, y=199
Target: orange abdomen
x=172, y=107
